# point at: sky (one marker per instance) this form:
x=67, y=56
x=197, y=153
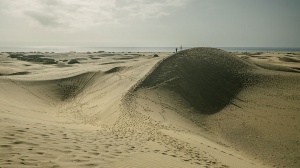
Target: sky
x=150, y=23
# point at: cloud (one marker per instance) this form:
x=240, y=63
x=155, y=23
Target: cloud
x=64, y=13
x=145, y=9
x=45, y=19
x=81, y=14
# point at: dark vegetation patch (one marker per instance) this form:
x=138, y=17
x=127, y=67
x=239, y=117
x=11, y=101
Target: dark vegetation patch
x=32, y=58
x=107, y=63
x=262, y=57
x=252, y=54
x=73, y=61
x=81, y=59
x=50, y=61
x=94, y=57
x=124, y=58
x=107, y=55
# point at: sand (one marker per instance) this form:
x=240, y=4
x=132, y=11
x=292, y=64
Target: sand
x=201, y=107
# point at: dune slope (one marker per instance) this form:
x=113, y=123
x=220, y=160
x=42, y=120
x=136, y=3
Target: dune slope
x=254, y=110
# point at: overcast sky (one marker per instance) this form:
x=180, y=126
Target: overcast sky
x=152, y=23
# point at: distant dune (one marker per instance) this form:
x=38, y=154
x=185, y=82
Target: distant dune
x=201, y=107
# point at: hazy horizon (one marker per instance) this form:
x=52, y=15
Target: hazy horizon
x=144, y=23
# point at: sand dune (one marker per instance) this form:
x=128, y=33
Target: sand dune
x=201, y=107
x=255, y=110
x=207, y=78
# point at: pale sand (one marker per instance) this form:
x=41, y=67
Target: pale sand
x=198, y=108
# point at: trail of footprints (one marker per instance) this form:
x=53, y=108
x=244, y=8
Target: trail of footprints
x=146, y=130
x=56, y=147
x=26, y=147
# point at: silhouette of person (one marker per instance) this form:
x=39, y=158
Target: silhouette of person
x=176, y=50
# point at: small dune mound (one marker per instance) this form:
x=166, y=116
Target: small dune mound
x=20, y=73
x=73, y=61
x=207, y=78
x=288, y=59
x=276, y=67
x=7, y=71
x=113, y=70
x=16, y=73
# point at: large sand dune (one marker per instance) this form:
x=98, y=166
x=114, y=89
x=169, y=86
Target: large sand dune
x=201, y=107
x=207, y=78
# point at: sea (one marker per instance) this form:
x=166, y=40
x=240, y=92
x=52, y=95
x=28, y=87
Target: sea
x=63, y=49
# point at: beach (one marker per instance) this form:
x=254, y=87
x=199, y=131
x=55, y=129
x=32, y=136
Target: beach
x=200, y=107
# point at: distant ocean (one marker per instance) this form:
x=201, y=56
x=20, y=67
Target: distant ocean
x=62, y=49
